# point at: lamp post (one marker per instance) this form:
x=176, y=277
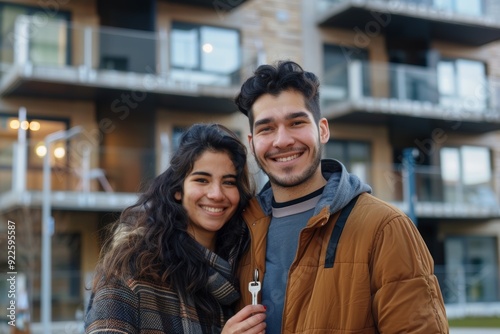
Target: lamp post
x=47, y=227
x=409, y=186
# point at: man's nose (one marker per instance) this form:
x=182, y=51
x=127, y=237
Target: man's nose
x=283, y=138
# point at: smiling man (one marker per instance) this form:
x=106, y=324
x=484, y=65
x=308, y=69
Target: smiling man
x=331, y=257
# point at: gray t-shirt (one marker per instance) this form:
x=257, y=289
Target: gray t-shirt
x=282, y=241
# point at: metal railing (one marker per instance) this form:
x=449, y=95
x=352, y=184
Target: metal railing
x=470, y=290
x=459, y=9
x=355, y=80
x=93, y=54
x=466, y=289
x=119, y=169
x=78, y=170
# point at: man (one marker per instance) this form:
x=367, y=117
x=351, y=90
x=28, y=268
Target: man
x=331, y=258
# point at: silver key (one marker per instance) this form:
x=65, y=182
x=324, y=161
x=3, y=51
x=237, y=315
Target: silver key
x=254, y=288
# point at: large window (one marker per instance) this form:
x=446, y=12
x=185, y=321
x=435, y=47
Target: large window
x=45, y=37
x=468, y=7
x=36, y=131
x=462, y=84
x=354, y=155
x=467, y=175
x=471, y=269
x=346, y=73
x=211, y=55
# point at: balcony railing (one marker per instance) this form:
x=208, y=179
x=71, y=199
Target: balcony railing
x=465, y=22
x=113, y=171
x=89, y=56
x=465, y=9
x=81, y=176
x=468, y=290
x=411, y=91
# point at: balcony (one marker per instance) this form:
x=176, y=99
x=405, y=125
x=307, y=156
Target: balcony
x=438, y=195
x=218, y=5
x=58, y=60
x=470, y=22
x=410, y=97
x=82, y=178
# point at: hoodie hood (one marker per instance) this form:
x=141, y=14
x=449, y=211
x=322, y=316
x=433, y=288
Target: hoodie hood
x=340, y=189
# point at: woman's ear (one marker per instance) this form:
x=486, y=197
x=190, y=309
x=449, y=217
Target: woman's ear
x=178, y=195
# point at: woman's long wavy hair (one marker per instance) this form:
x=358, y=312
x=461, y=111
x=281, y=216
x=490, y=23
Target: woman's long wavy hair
x=150, y=240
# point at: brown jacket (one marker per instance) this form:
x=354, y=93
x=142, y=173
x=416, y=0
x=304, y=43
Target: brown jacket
x=381, y=279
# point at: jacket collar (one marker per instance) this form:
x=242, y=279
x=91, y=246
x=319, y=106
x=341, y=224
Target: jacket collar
x=341, y=187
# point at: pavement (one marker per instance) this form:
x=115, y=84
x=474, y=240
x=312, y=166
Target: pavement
x=464, y=330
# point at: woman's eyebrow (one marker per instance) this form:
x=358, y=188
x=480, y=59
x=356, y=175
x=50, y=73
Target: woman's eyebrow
x=208, y=174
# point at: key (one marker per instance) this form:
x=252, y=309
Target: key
x=254, y=288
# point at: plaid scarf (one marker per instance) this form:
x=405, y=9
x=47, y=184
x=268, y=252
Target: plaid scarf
x=222, y=286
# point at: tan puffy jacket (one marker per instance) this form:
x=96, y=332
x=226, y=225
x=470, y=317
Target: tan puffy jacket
x=379, y=280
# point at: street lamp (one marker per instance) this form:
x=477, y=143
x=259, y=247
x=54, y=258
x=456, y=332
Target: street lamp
x=47, y=226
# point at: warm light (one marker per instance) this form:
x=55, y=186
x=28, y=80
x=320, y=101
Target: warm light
x=25, y=125
x=207, y=48
x=41, y=150
x=34, y=126
x=59, y=152
x=14, y=124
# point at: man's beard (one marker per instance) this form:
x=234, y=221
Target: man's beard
x=293, y=181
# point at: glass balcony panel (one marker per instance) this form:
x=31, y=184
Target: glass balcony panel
x=7, y=157
x=450, y=89
x=103, y=169
x=126, y=51
x=110, y=57
x=475, y=8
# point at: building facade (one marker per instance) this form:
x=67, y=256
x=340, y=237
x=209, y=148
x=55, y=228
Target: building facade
x=94, y=95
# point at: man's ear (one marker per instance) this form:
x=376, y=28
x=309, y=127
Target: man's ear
x=178, y=196
x=250, y=143
x=324, y=131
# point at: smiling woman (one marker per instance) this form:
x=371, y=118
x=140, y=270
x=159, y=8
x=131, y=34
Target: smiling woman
x=210, y=196
x=169, y=265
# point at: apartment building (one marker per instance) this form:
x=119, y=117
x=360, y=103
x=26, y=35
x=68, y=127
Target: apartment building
x=94, y=95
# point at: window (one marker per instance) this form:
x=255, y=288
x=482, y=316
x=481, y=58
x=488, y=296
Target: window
x=47, y=35
x=468, y=7
x=467, y=175
x=354, y=155
x=36, y=131
x=211, y=55
x=462, y=84
x=471, y=261
x=346, y=73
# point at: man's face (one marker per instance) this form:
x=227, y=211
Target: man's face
x=285, y=140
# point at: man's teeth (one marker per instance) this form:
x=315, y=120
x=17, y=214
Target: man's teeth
x=210, y=209
x=295, y=156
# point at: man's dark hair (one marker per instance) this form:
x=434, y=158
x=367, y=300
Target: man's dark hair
x=284, y=76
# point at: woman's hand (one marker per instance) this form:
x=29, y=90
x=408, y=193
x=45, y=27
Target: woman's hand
x=249, y=320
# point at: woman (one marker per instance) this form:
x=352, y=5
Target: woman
x=169, y=266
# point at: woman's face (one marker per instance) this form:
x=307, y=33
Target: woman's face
x=210, y=196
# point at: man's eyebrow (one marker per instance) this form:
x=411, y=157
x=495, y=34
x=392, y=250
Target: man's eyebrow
x=297, y=114
x=263, y=121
